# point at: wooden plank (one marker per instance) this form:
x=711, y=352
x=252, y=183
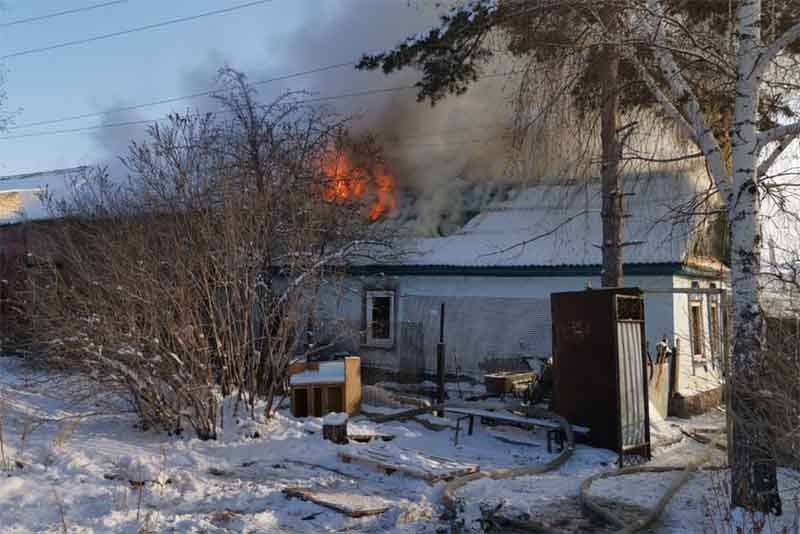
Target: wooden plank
x=577, y=429
x=344, y=502
x=352, y=384
x=515, y=436
x=498, y=416
x=504, y=382
x=511, y=418
x=364, y=437
x=428, y=468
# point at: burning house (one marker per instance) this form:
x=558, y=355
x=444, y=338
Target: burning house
x=494, y=276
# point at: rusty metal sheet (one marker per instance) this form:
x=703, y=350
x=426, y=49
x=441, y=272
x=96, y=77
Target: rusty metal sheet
x=599, y=365
x=584, y=368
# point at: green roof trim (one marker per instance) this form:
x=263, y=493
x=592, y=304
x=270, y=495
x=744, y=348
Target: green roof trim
x=642, y=269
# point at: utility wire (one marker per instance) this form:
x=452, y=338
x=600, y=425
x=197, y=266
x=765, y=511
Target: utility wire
x=133, y=30
x=172, y=100
x=62, y=13
x=157, y=119
x=391, y=141
x=150, y=121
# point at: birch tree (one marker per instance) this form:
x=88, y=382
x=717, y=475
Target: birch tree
x=757, y=71
x=193, y=279
x=723, y=72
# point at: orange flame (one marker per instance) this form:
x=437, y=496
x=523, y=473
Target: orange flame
x=385, y=190
x=348, y=183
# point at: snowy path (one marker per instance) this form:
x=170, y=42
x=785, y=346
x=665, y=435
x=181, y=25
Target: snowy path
x=77, y=471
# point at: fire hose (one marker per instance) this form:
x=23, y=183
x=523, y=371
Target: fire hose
x=451, y=500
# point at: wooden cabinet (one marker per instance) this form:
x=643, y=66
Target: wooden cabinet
x=318, y=389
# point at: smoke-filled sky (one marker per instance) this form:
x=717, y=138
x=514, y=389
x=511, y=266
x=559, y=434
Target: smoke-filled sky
x=448, y=160
x=268, y=40
x=431, y=151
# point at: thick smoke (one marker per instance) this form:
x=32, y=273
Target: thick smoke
x=448, y=160
x=114, y=139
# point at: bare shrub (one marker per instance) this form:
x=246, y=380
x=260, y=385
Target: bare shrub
x=193, y=279
x=4, y=464
x=720, y=518
x=66, y=430
x=768, y=404
x=62, y=512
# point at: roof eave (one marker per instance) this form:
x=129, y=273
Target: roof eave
x=632, y=269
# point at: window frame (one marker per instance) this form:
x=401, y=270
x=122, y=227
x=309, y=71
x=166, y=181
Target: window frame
x=714, y=329
x=369, y=339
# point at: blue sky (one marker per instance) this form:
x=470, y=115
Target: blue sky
x=279, y=37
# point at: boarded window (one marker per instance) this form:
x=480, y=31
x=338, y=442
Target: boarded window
x=380, y=318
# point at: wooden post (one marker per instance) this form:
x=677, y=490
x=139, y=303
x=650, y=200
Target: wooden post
x=334, y=428
x=724, y=303
x=677, y=357
x=726, y=334
x=440, y=361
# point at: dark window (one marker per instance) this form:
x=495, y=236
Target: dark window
x=381, y=317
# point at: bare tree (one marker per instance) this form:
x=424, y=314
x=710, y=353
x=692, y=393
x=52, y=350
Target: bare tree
x=752, y=70
x=194, y=278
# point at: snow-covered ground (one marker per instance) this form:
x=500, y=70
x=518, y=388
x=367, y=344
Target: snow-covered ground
x=66, y=468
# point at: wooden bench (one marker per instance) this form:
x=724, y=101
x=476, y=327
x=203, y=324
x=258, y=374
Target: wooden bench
x=554, y=432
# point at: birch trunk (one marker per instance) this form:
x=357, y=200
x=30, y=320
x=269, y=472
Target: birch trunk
x=753, y=471
x=612, y=209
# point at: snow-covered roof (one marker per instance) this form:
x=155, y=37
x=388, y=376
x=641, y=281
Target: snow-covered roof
x=21, y=194
x=322, y=373
x=561, y=226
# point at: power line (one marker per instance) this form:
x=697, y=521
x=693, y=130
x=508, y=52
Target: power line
x=133, y=30
x=157, y=119
x=172, y=100
x=302, y=101
x=62, y=13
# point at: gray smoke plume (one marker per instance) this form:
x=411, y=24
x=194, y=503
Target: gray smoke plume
x=119, y=128
x=448, y=160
